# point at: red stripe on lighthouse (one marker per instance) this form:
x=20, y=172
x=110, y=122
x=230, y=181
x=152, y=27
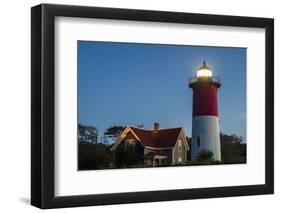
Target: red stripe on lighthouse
x=205, y=101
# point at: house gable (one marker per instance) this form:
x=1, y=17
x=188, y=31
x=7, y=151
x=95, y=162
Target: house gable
x=180, y=149
x=127, y=132
x=154, y=139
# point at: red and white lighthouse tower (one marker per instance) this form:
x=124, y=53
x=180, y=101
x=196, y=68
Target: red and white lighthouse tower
x=205, y=117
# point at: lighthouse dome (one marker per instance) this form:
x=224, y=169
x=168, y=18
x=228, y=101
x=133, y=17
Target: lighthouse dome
x=204, y=71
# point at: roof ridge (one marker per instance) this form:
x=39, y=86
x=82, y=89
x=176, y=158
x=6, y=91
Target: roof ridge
x=150, y=130
x=139, y=128
x=166, y=137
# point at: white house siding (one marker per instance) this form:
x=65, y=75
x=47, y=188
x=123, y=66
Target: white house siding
x=180, y=154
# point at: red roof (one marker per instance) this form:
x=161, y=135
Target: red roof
x=161, y=138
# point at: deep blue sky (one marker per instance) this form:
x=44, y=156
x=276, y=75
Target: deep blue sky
x=134, y=84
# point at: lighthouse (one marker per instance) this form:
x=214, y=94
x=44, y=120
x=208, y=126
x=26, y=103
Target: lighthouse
x=205, y=116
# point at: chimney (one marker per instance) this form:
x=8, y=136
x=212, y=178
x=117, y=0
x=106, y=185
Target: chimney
x=156, y=126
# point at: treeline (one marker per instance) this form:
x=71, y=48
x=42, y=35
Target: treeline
x=233, y=149
x=93, y=154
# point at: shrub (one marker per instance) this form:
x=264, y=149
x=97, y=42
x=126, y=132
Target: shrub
x=205, y=155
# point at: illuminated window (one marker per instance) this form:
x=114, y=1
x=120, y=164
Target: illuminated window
x=179, y=160
x=130, y=141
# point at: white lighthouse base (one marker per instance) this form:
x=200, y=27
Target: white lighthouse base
x=205, y=136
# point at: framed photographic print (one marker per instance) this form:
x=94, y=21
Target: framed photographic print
x=139, y=106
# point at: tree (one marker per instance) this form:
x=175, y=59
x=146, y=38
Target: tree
x=233, y=150
x=189, y=142
x=87, y=134
x=94, y=156
x=128, y=154
x=205, y=155
x=114, y=132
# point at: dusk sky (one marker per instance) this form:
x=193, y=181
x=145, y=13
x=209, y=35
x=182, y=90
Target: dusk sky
x=139, y=84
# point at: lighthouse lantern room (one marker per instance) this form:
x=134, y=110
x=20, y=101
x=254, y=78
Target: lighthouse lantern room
x=205, y=116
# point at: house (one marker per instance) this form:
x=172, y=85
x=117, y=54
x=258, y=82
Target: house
x=154, y=147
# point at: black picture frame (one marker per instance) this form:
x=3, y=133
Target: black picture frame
x=43, y=102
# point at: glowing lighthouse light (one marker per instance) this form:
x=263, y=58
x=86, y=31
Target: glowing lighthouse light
x=204, y=71
x=205, y=114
